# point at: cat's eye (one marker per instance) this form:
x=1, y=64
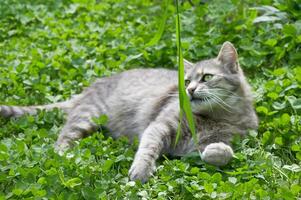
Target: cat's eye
x=187, y=82
x=207, y=77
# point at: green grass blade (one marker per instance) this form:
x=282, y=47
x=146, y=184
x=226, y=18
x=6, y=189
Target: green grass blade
x=161, y=29
x=178, y=136
x=184, y=101
x=189, y=116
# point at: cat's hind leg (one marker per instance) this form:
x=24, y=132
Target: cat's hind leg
x=79, y=124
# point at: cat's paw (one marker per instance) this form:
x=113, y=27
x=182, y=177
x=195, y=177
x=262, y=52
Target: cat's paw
x=217, y=154
x=141, y=170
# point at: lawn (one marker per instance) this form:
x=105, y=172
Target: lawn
x=50, y=50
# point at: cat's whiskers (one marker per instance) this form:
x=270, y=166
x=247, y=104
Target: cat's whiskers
x=228, y=96
x=221, y=100
x=207, y=100
x=172, y=95
x=227, y=91
x=220, y=103
x=215, y=99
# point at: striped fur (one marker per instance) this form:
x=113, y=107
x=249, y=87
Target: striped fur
x=144, y=103
x=16, y=111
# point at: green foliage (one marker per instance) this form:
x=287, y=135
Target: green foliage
x=52, y=49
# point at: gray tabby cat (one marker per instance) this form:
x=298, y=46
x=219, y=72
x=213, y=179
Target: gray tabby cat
x=144, y=103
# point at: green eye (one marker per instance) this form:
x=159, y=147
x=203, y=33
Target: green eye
x=187, y=82
x=207, y=77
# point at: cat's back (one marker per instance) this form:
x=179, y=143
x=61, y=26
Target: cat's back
x=136, y=83
x=149, y=76
x=141, y=87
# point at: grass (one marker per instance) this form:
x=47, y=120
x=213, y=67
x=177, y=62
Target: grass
x=52, y=50
x=184, y=100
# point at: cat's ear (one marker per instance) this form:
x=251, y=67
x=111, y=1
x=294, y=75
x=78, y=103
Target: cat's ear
x=228, y=57
x=187, y=65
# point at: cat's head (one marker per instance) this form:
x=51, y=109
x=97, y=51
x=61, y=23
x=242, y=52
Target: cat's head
x=216, y=84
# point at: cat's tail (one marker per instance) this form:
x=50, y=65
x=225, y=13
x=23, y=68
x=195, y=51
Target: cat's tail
x=16, y=111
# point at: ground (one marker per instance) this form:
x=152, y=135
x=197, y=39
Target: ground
x=52, y=49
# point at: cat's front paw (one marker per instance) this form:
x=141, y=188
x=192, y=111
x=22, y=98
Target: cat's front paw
x=141, y=170
x=217, y=154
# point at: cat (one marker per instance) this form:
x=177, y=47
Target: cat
x=145, y=103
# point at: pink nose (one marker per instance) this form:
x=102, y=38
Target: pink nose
x=191, y=90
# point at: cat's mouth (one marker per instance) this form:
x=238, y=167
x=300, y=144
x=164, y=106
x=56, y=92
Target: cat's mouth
x=199, y=99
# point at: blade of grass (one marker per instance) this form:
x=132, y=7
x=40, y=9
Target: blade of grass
x=179, y=128
x=161, y=29
x=184, y=101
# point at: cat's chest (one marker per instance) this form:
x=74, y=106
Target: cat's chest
x=207, y=126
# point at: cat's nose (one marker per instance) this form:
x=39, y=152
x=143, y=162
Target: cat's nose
x=191, y=90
